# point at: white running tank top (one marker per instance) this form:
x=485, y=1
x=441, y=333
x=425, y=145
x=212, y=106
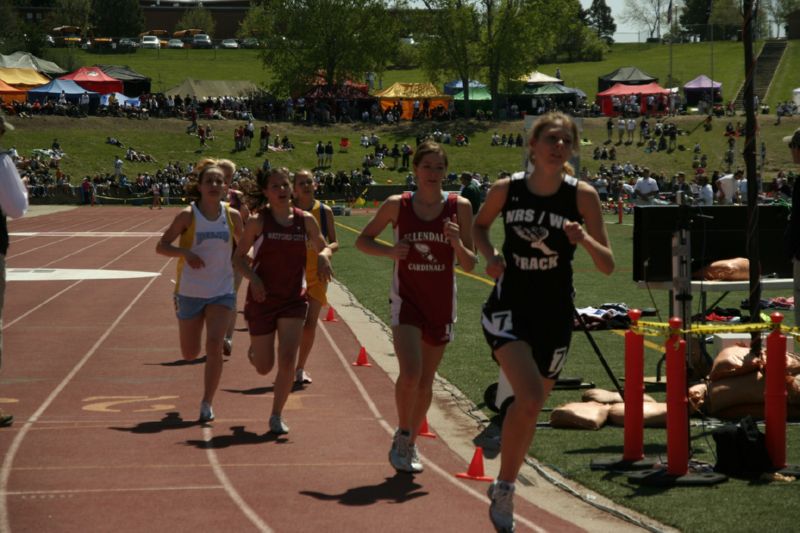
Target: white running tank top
x=212, y=241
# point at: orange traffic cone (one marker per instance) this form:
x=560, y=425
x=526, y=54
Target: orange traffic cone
x=362, y=358
x=475, y=470
x=424, y=431
x=330, y=317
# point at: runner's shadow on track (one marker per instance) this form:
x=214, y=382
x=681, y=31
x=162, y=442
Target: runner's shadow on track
x=181, y=362
x=255, y=391
x=398, y=489
x=171, y=420
x=238, y=437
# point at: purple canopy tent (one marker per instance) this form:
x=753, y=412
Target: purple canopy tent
x=701, y=88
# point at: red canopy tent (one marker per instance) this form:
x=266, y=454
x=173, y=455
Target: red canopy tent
x=621, y=90
x=94, y=79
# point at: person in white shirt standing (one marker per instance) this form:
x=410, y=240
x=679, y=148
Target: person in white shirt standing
x=13, y=203
x=728, y=188
x=645, y=190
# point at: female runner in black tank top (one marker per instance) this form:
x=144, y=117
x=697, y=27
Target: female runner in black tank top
x=542, y=212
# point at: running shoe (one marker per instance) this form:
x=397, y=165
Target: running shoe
x=400, y=455
x=277, y=425
x=501, y=510
x=301, y=377
x=6, y=419
x=416, y=463
x=206, y=412
x=227, y=345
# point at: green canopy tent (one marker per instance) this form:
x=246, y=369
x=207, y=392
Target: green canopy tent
x=479, y=98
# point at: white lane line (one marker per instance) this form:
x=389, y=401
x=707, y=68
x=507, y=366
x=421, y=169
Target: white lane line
x=229, y=488
x=93, y=234
x=70, y=286
x=8, y=460
x=450, y=477
x=72, y=274
x=67, y=237
x=107, y=490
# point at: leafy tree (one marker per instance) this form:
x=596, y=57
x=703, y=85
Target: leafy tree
x=647, y=14
x=12, y=27
x=503, y=38
x=71, y=13
x=779, y=9
x=338, y=39
x=197, y=17
x=452, y=45
x=117, y=19
x=694, y=16
x=598, y=17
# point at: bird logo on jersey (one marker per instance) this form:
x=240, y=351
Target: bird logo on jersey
x=536, y=236
x=425, y=251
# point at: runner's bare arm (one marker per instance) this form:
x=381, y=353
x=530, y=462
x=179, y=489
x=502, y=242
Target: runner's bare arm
x=367, y=241
x=594, y=238
x=324, y=252
x=252, y=229
x=180, y=223
x=333, y=244
x=490, y=209
x=459, y=232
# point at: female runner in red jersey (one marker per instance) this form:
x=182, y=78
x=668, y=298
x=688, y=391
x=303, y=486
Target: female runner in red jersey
x=431, y=230
x=276, y=298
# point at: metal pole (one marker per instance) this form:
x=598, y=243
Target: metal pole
x=752, y=181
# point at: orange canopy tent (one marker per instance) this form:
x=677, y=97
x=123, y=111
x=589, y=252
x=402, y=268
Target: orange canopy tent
x=10, y=94
x=23, y=78
x=407, y=93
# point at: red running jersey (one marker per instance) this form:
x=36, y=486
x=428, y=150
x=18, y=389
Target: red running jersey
x=280, y=258
x=424, y=283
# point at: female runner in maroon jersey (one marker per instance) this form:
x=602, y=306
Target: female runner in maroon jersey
x=431, y=230
x=276, y=298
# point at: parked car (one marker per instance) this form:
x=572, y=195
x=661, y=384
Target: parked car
x=250, y=42
x=175, y=43
x=201, y=40
x=230, y=43
x=150, y=41
x=127, y=42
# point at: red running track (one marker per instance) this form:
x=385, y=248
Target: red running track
x=106, y=439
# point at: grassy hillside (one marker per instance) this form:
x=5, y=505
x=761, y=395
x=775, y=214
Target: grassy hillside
x=166, y=140
x=168, y=68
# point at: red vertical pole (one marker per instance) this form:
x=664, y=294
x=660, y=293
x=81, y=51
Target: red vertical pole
x=775, y=394
x=619, y=211
x=634, y=392
x=677, y=403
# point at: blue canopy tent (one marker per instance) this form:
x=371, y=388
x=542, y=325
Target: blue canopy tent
x=121, y=100
x=53, y=90
x=456, y=86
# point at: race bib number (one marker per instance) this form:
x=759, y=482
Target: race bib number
x=557, y=363
x=501, y=321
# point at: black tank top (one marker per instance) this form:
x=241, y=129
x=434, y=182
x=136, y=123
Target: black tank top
x=537, y=251
x=3, y=233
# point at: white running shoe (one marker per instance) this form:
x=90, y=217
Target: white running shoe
x=227, y=346
x=301, y=377
x=277, y=425
x=206, y=412
x=416, y=463
x=501, y=510
x=400, y=455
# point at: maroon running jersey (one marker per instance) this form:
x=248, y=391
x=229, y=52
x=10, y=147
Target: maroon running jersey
x=424, y=286
x=280, y=258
